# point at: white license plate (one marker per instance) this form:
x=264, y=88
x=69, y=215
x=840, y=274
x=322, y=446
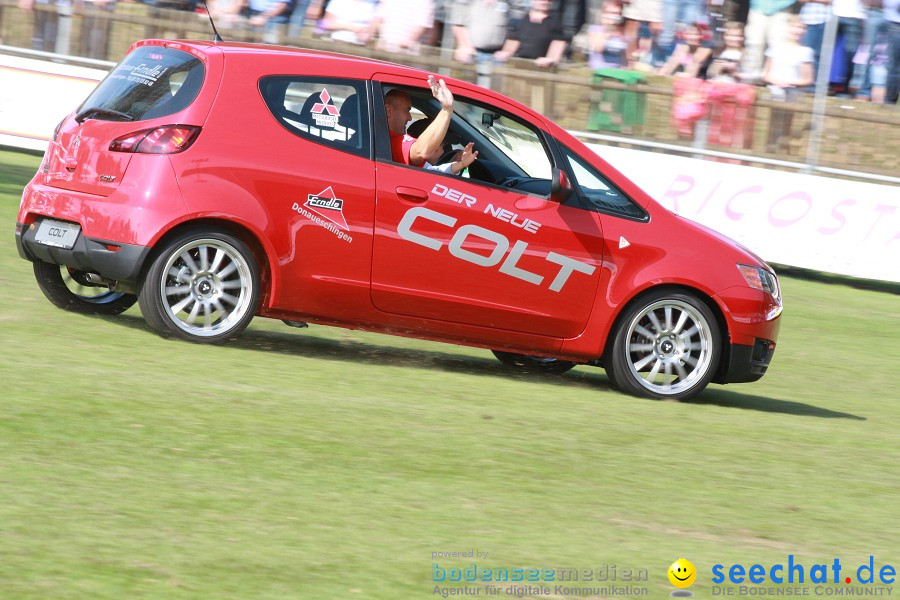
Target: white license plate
x=57, y=233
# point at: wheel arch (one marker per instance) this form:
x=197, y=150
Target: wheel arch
x=708, y=300
x=261, y=252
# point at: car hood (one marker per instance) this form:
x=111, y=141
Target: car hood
x=751, y=256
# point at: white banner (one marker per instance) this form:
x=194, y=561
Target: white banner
x=35, y=95
x=832, y=225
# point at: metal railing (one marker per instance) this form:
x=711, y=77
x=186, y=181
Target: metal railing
x=742, y=158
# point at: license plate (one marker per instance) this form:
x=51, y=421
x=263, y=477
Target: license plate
x=57, y=233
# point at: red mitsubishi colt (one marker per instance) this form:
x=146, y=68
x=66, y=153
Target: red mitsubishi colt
x=212, y=182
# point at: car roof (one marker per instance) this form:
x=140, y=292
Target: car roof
x=335, y=63
x=346, y=65
x=338, y=60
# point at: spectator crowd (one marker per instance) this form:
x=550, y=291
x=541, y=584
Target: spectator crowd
x=776, y=43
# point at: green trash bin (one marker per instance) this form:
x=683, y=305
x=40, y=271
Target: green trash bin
x=618, y=110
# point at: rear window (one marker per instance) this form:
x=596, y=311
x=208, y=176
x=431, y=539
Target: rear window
x=150, y=82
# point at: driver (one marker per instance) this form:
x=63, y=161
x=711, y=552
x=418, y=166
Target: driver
x=416, y=151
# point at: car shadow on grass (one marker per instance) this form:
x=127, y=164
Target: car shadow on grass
x=320, y=348
x=718, y=396
x=386, y=355
x=593, y=378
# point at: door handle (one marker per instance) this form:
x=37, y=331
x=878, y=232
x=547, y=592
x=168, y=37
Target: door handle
x=71, y=163
x=412, y=194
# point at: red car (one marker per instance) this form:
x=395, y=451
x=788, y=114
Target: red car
x=211, y=182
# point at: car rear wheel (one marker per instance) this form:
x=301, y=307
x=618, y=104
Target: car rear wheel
x=533, y=364
x=71, y=289
x=203, y=286
x=667, y=345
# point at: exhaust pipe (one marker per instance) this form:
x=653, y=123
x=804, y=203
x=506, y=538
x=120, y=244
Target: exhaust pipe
x=112, y=284
x=95, y=279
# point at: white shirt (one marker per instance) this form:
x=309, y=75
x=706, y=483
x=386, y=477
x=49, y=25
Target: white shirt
x=892, y=10
x=787, y=60
x=400, y=18
x=358, y=12
x=851, y=9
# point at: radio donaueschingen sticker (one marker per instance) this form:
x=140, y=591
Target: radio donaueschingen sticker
x=326, y=210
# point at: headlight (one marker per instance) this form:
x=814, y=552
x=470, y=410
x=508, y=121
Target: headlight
x=760, y=279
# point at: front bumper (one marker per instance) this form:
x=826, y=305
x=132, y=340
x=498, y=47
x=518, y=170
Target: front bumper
x=743, y=363
x=111, y=260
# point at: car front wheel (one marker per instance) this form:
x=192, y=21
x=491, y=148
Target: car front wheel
x=667, y=345
x=71, y=289
x=203, y=286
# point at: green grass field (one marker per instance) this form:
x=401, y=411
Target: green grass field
x=331, y=464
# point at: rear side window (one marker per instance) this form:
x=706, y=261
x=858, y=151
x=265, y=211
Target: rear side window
x=150, y=82
x=331, y=112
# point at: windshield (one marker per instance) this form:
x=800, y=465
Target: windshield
x=518, y=142
x=150, y=82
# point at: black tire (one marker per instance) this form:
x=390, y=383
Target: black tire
x=201, y=286
x=533, y=364
x=70, y=290
x=666, y=345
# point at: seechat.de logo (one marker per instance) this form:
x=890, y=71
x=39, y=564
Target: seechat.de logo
x=794, y=572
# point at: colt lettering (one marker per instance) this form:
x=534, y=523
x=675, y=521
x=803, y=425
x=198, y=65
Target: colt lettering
x=501, y=244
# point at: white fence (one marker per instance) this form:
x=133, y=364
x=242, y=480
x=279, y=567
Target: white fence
x=832, y=225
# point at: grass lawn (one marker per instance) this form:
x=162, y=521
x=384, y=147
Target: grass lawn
x=329, y=464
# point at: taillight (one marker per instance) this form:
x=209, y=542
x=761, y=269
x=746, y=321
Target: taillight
x=168, y=139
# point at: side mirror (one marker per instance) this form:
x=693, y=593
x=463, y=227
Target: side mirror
x=560, y=187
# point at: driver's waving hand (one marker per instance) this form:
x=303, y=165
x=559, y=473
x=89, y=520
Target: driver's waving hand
x=416, y=151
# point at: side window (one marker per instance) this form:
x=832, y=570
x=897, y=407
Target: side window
x=599, y=193
x=511, y=152
x=332, y=112
x=518, y=142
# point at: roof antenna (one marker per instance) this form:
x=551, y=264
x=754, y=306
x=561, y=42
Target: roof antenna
x=216, y=37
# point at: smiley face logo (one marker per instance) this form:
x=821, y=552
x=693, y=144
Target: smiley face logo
x=682, y=573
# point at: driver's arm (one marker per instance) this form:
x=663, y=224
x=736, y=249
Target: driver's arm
x=433, y=136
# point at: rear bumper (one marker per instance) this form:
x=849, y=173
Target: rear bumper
x=745, y=363
x=111, y=260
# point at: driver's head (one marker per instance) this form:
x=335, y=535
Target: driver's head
x=397, y=105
